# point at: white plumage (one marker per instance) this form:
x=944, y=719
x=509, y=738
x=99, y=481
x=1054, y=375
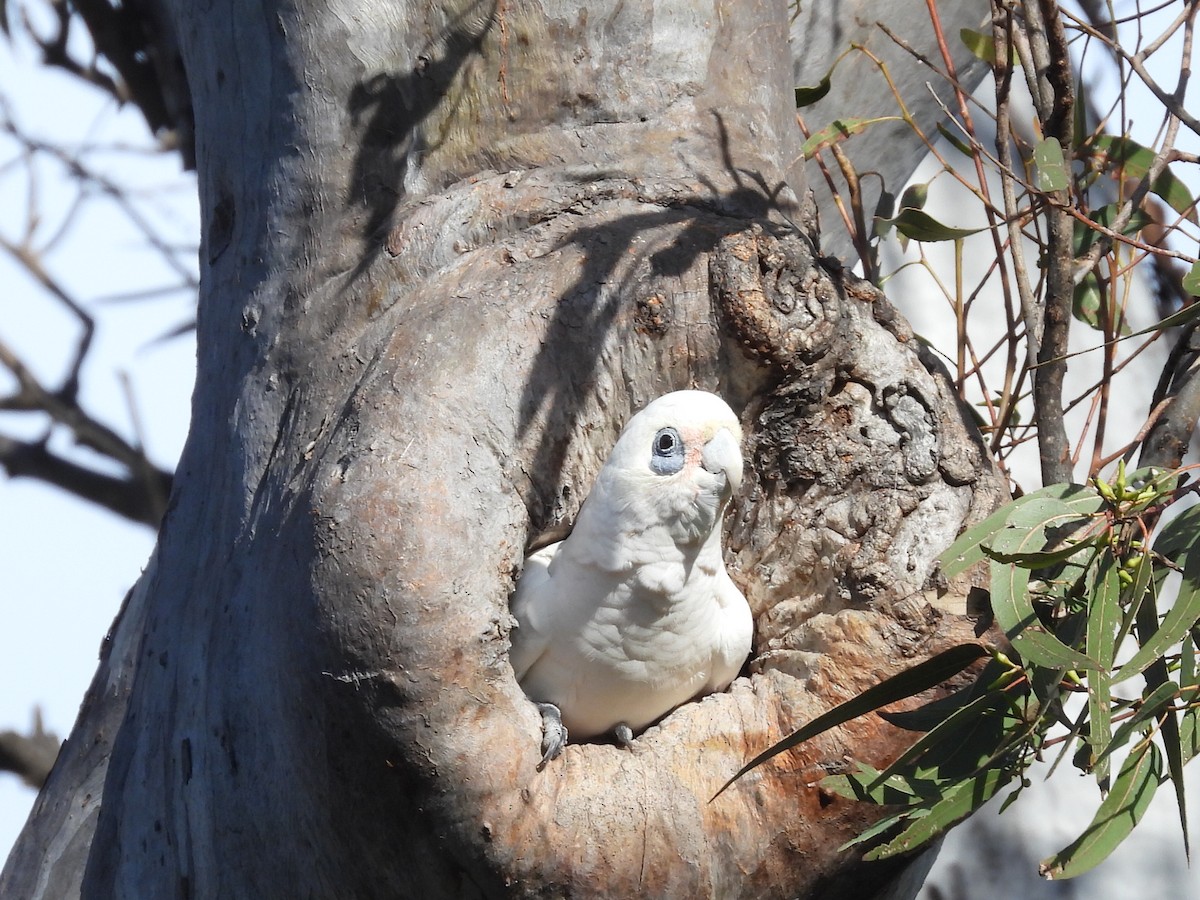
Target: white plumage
x=634, y=613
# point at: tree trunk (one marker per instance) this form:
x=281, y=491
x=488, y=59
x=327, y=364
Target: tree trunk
x=447, y=252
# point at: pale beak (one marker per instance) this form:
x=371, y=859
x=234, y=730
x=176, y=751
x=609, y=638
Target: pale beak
x=722, y=455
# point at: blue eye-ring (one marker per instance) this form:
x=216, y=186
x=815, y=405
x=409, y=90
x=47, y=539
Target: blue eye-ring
x=666, y=456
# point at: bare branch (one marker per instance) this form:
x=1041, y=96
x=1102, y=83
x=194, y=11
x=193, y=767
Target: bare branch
x=1172, y=102
x=32, y=264
x=31, y=756
x=119, y=194
x=55, y=54
x=140, y=496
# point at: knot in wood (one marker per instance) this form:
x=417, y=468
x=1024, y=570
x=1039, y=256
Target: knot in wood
x=772, y=298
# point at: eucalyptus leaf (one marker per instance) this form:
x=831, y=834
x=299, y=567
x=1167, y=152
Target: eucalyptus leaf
x=838, y=130
x=915, y=196
x=1011, y=602
x=1135, y=161
x=958, y=802
x=950, y=734
x=1191, y=281
x=929, y=715
x=967, y=549
x=1185, y=612
x=1051, y=166
x=868, y=783
x=956, y=141
x=810, y=94
x=877, y=829
x=1189, y=734
x=908, y=683
x=1119, y=812
x=920, y=226
x=1086, y=300
x=1104, y=616
x=1083, y=235
x=1150, y=708
x=1173, y=749
x=983, y=47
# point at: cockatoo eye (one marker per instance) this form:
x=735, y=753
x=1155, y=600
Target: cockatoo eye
x=667, y=455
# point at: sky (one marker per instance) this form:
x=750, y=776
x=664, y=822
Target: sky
x=65, y=565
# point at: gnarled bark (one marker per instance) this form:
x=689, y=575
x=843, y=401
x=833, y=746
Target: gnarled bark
x=447, y=252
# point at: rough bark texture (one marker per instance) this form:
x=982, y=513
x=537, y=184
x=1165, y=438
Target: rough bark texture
x=447, y=252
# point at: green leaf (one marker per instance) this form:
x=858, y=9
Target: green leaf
x=1083, y=235
x=838, y=130
x=1189, y=734
x=929, y=715
x=1104, y=611
x=1151, y=632
x=949, y=735
x=1051, y=166
x=908, y=683
x=1044, y=559
x=1135, y=161
x=915, y=196
x=1187, y=660
x=967, y=549
x=983, y=47
x=959, y=801
x=1191, y=281
x=808, y=95
x=1080, y=127
x=1172, y=739
x=869, y=784
x=1119, y=812
x=1177, y=540
x=920, y=226
x=1085, y=302
x=878, y=828
x=956, y=141
x=1104, y=617
x=1151, y=707
x=886, y=205
x=1178, y=535
x=1023, y=533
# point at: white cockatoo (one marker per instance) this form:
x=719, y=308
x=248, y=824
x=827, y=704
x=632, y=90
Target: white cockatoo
x=634, y=613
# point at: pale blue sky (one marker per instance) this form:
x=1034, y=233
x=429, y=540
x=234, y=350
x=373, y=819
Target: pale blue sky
x=66, y=565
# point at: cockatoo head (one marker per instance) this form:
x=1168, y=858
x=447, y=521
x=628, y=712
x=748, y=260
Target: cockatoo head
x=674, y=467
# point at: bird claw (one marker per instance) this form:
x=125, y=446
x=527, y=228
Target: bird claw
x=624, y=735
x=554, y=733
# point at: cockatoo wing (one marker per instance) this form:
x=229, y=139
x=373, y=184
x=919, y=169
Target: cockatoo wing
x=528, y=648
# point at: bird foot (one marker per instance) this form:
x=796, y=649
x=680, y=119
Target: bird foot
x=624, y=735
x=554, y=733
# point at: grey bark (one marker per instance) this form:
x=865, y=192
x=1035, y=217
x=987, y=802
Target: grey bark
x=447, y=251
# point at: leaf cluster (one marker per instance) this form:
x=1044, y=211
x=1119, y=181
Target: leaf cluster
x=1088, y=595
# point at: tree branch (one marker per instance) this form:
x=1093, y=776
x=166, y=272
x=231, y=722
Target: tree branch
x=1052, y=88
x=140, y=496
x=32, y=756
